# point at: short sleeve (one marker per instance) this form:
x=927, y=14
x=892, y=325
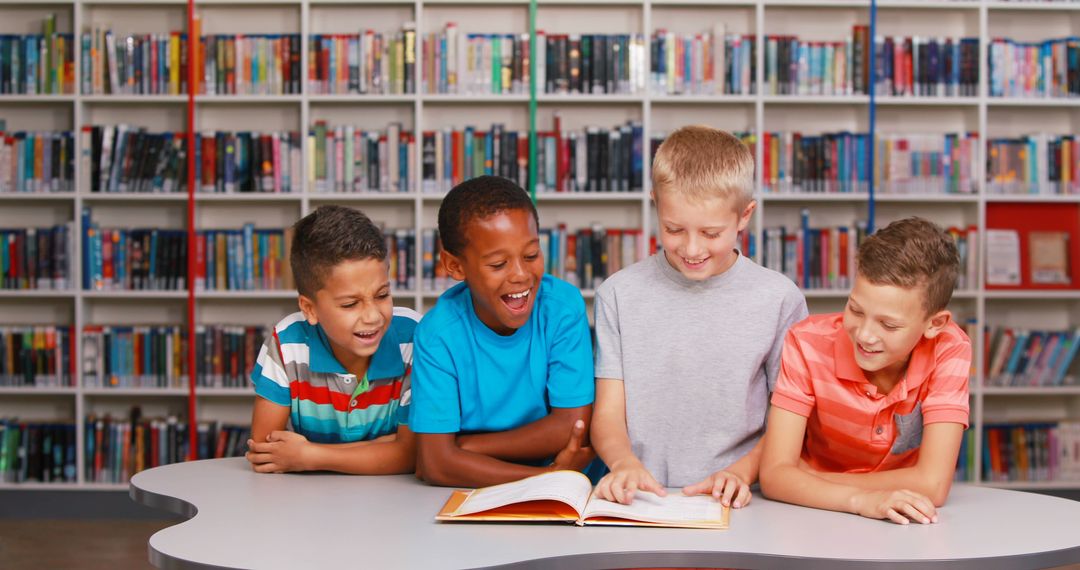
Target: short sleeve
x=405, y=403
x=609, y=361
x=434, y=404
x=794, y=391
x=268, y=376
x=406, y=320
x=947, y=394
x=570, y=381
x=793, y=310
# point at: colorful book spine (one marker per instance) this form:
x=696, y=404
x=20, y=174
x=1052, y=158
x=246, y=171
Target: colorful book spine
x=712, y=62
x=37, y=356
x=927, y=163
x=1050, y=68
x=38, y=64
x=1021, y=357
x=830, y=162
x=125, y=159
x=927, y=67
x=1033, y=164
x=348, y=159
x=256, y=64
x=37, y=452
x=248, y=161
x=36, y=258
x=365, y=63
x=1031, y=452
x=40, y=162
x=134, y=64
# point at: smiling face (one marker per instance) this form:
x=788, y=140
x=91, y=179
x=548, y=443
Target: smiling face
x=884, y=323
x=502, y=263
x=355, y=308
x=699, y=236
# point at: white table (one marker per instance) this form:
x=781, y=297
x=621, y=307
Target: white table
x=242, y=519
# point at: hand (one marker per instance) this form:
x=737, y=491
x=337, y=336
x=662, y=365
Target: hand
x=626, y=478
x=900, y=506
x=574, y=456
x=282, y=452
x=723, y=486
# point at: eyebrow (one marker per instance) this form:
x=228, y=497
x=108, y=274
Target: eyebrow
x=384, y=285
x=890, y=318
x=504, y=252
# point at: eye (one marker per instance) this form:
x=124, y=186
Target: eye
x=383, y=295
x=349, y=305
x=854, y=311
x=532, y=256
x=890, y=327
x=710, y=235
x=497, y=265
x=672, y=231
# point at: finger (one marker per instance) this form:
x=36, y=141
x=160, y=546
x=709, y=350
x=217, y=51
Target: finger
x=250, y=442
x=268, y=468
x=260, y=458
x=577, y=436
x=276, y=435
x=651, y=485
x=264, y=447
x=629, y=491
x=698, y=488
x=896, y=517
x=911, y=511
x=925, y=505
x=744, y=496
x=727, y=492
x=603, y=488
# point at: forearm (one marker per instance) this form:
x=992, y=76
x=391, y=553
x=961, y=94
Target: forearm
x=535, y=441
x=910, y=478
x=791, y=484
x=461, y=468
x=363, y=458
x=612, y=444
x=747, y=466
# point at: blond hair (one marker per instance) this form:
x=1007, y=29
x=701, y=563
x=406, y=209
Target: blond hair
x=700, y=162
x=911, y=253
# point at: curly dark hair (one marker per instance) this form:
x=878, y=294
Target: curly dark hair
x=478, y=198
x=327, y=237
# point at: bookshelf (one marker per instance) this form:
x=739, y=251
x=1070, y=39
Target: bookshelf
x=811, y=20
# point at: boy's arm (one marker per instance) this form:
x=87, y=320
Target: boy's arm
x=537, y=440
x=610, y=437
x=932, y=475
x=267, y=417
x=783, y=480
x=439, y=461
x=289, y=451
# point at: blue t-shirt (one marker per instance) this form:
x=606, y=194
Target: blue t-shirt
x=468, y=378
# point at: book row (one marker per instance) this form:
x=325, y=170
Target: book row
x=930, y=67
x=365, y=63
x=255, y=64
x=117, y=449
x=707, y=63
x=133, y=64
x=1024, y=357
x=37, y=356
x=157, y=356
x=1050, y=68
x=37, y=452
x=41, y=161
x=1031, y=452
x=1035, y=164
x=824, y=258
x=36, y=258
x=37, y=64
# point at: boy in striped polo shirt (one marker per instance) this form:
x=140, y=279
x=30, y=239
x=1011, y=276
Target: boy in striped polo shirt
x=871, y=404
x=337, y=371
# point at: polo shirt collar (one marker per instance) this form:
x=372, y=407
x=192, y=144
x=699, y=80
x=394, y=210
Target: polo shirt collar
x=385, y=363
x=918, y=368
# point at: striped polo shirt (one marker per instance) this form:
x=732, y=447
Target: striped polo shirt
x=297, y=368
x=853, y=428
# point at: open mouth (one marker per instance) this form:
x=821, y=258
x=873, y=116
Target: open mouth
x=695, y=263
x=517, y=302
x=367, y=337
x=867, y=352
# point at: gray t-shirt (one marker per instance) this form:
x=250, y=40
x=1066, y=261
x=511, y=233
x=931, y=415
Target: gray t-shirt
x=697, y=360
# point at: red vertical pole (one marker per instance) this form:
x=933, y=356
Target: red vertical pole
x=193, y=59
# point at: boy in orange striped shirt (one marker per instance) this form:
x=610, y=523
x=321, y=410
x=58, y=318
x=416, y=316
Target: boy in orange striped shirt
x=871, y=404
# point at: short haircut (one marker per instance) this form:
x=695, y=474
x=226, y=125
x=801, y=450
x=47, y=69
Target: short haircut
x=700, y=162
x=910, y=253
x=478, y=198
x=328, y=236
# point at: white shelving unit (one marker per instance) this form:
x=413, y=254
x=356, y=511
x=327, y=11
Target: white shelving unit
x=810, y=19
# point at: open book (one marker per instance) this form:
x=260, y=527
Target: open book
x=566, y=496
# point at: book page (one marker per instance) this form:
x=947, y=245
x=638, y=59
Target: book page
x=674, y=509
x=568, y=487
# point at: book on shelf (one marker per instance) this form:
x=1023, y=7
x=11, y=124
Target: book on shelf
x=1048, y=255
x=927, y=163
x=801, y=67
x=927, y=66
x=345, y=159
x=116, y=449
x=226, y=354
x=37, y=452
x=37, y=356
x=567, y=496
x=36, y=258
x=1022, y=357
x=1050, y=68
x=133, y=64
x=965, y=460
x=712, y=62
x=41, y=162
x=248, y=161
x=795, y=162
x=1037, y=451
x=250, y=64
x=38, y=64
x=132, y=259
x=1033, y=164
x=364, y=63
x=124, y=158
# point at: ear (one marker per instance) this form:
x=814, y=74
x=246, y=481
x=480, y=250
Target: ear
x=747, y=213
x=937, y=323
x=454, y=265
x=307, y=306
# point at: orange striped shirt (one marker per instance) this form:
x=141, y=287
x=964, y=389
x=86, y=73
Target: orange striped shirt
x=853, y=428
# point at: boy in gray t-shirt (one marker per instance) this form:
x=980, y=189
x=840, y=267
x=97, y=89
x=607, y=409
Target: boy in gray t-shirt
x=688, y=340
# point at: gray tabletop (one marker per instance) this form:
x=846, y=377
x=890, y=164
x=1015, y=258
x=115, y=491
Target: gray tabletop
x=241, y=519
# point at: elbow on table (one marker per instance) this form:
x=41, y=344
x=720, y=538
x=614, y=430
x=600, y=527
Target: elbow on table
x=431, y=470
x=768, y=480
x=938, y=493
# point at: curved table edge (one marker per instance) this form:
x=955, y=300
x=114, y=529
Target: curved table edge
x=176, y=506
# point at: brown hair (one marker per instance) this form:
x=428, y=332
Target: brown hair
x=701, y=162
x=328, y=236
x=910, y=253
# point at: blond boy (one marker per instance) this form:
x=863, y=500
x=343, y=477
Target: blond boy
x=688, y=340
x=872, y=403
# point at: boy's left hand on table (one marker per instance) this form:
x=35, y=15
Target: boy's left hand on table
x=283, y=451
x=724, y=486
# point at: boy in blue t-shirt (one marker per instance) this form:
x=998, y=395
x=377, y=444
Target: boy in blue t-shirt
x=502, y=377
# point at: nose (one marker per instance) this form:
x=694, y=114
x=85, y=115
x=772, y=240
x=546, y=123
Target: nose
x=518, y=271
x=370, y=314
x=865, y=334
x=695, y=246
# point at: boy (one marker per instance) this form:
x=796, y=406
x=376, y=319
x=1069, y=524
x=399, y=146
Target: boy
x=688, y=340
x=338, y=370
x=503, y=378
x=871, y=404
